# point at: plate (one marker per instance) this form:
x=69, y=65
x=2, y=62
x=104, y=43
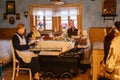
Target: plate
x=11, y=20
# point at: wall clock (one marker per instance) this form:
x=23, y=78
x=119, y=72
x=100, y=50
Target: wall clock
x=11, y=20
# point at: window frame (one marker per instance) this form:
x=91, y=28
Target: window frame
x=57, y=26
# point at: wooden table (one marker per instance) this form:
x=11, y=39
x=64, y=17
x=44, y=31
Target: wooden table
x=58, y=62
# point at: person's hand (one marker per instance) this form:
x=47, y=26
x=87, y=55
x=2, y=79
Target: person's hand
x=33, y=44
x=78, y=46
x=113, y=26
x=36, y=42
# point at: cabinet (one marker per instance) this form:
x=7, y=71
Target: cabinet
x=109, y=9
x=97, y=48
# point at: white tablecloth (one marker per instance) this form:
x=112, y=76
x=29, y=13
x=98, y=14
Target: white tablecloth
x=55, y=45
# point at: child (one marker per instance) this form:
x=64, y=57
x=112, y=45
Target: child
x=84, y=43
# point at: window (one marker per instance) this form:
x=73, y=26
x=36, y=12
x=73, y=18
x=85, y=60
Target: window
x=50, y=17
x=40, y=22
x=48, y=20
x=75, y=20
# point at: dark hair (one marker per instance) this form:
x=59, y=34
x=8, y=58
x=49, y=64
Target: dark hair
x=117, y=25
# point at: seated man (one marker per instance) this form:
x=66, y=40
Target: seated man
x=72, y=31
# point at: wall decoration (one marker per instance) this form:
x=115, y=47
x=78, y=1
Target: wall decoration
x=26, y=14
x=54, y=0
x=17, y=16
x=5, y=16
x=10, y=7
x=109, y=9
x=11, y=20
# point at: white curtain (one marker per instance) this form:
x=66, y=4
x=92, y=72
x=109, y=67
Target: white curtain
x=59, y=11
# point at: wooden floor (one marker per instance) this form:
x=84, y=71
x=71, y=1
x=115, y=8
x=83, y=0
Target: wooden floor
x=7, y=74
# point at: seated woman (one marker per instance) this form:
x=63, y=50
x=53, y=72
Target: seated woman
x=34, y=34
x=22, y=52
x=84, y=43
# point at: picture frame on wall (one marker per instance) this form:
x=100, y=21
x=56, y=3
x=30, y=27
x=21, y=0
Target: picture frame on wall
x=5, y=16
x=10, y=7
x=109, y=7
x=54, y=0
x=17, y=16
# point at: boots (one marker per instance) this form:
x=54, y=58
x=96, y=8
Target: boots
x=84, y=68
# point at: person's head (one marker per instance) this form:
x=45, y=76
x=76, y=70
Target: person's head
x=20, y=28
x=84, y=32
x=34, y=28
x=71, y=23
x=117, y=26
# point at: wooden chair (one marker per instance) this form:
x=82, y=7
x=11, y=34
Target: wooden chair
x=16, y=65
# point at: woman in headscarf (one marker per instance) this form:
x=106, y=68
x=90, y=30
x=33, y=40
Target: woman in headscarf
x=113, y=59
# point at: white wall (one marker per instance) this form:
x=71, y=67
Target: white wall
x=91, y=12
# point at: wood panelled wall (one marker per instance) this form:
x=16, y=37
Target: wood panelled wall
x=7, y=33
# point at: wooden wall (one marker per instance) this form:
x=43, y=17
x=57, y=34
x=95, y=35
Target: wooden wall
x=98, y=33
x=7, y=33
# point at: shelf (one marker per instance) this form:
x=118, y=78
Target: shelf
x=109, y=16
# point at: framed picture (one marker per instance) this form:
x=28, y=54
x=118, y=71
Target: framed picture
x=5, y=16
x=108, y=7
x=17, y=16
x=10, y=7
x=54, y=0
